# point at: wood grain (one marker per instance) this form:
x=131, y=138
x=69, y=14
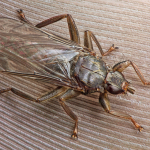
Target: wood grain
x=30, y=125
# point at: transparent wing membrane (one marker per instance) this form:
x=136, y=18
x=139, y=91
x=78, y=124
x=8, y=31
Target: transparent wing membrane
x=29, y=52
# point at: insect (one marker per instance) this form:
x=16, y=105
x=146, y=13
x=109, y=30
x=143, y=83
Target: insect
x=27, y=51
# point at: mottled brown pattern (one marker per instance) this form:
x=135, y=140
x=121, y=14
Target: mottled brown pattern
x=29, y=125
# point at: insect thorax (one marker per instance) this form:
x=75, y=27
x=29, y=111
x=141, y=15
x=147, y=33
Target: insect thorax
x=91, y=71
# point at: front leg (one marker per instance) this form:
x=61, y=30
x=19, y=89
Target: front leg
x=104, y=101
x=124, y=64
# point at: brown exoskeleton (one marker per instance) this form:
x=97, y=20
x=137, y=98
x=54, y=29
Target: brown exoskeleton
x=28, y=51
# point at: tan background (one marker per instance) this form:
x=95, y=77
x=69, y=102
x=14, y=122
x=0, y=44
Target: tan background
x=29, y=125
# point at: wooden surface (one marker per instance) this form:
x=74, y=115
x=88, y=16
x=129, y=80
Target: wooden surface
x=30, y=125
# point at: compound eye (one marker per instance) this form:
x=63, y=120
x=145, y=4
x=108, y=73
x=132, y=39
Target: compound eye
x=114, y=89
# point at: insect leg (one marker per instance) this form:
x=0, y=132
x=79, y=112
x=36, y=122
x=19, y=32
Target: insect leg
x=70, y=94
x=52, y=94
x=124, y=64
x=73, y=31
x=88, y=40
x=104, y=101
x=22, y=16
x=56, y=92
x=88, y=35
x=19, y=93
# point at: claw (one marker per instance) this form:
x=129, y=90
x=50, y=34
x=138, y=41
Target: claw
x=140, y=128
x=113, y=47
x=74, y=136
x=116, y=47
x=22, y=17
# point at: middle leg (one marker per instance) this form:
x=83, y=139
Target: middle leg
x=70, y=94
x=88, y=36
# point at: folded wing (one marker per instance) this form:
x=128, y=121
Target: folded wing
x=30, y=52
